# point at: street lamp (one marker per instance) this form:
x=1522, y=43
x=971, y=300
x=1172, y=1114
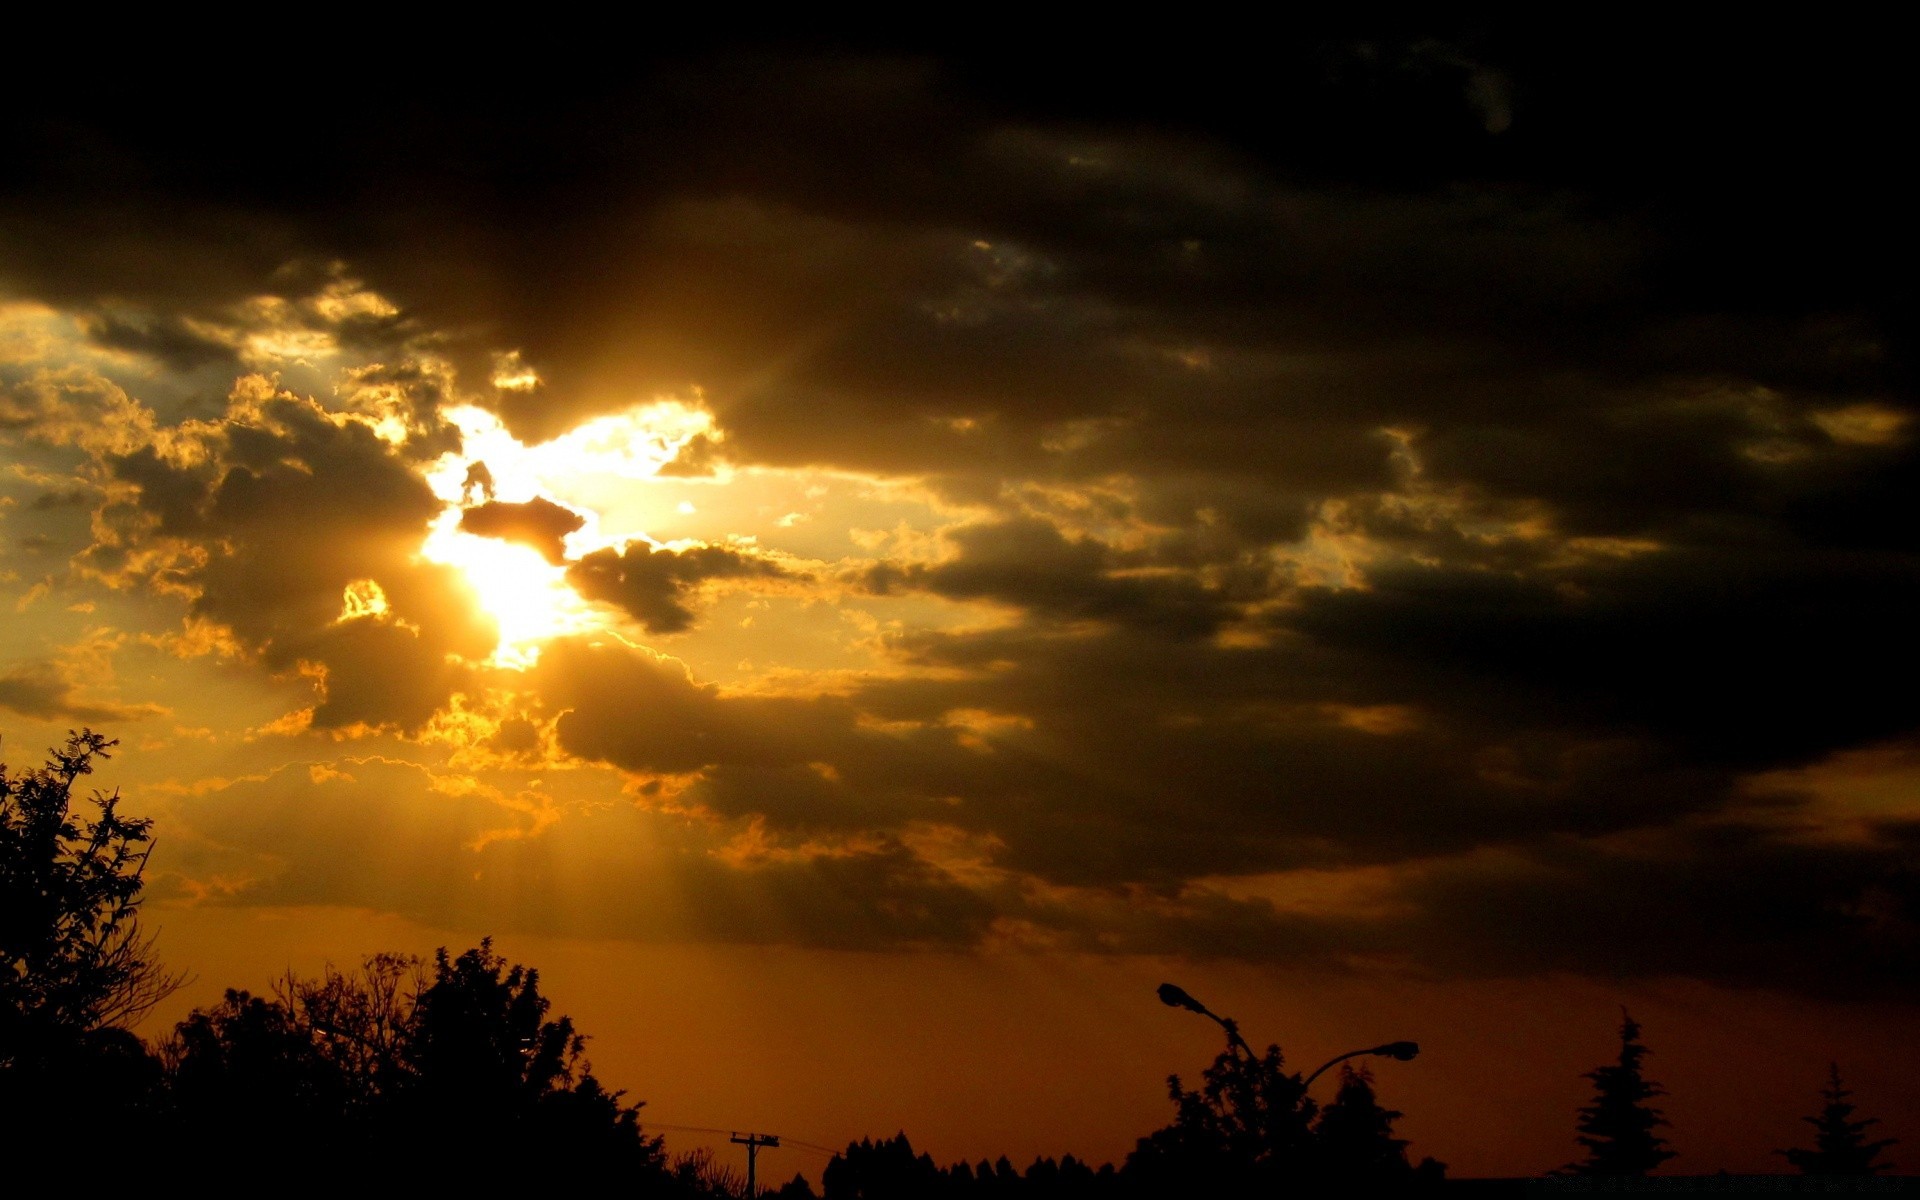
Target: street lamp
x=1404, y=1051
x=1177, y=997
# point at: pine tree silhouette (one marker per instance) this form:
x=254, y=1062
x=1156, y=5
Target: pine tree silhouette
x=1355, y=1134
x=1618, y=1127
x=1841, y=1146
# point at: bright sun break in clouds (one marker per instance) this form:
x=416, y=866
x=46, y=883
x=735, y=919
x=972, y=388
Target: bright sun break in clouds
x=525, y=594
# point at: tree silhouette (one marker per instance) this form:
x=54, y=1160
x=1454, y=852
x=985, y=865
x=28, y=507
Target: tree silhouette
x=883, y=1170
x=1840, y=1146
x=1618, y=1127
x=75, y=968
x=1246, y=1129
x=72, y=955
x=1355, y=1135
x=796, y=1188
x=491, y=1082
x=247, y=1085
x=360, y=1022
x=891, y=1170
x=460, y=1077
x=698, y=1172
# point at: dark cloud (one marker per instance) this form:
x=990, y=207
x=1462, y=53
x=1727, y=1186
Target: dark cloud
x=73, y=497
x=653, y=585
x=539, y=523
x=697, y=458
x=1030, y=563
x=1395, y=445
x=1734, y=655
x=292, y=506
x=40, y=691
x=1730, y=903
x=169, y=338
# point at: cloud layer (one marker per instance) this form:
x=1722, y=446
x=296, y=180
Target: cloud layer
x=1401, y=515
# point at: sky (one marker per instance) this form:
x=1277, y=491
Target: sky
x=859, y=556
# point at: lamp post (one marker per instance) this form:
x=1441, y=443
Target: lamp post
x=1177, y=997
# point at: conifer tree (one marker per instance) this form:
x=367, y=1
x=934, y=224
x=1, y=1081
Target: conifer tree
x=1618, y=1127
x=1355, y=1134
x=1841, y=1146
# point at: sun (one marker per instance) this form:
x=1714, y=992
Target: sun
x=528, y=596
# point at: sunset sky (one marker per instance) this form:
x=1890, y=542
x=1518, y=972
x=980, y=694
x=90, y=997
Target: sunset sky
x=1407, y=532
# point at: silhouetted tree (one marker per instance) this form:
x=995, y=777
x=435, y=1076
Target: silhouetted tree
x=1355, y=1135
x=72, y=955
x=699, y=1172
x=890, y=1170
x=796, y=1188
x=1618, y=1127
x=1245, y=1130
x=1840, y=1146
x=361, y=1021
x=247, y=1085
x=883, y=1170
x=75, y=968
x=460, y=1078
x=491, y=1081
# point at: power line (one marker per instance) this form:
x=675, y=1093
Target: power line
x=785, y=1141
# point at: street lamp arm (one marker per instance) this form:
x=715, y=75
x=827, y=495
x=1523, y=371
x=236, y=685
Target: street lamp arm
x=1404, y=1051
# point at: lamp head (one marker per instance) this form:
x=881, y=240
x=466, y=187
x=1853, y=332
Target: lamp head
x=1404, y=1051
x=1174, y=997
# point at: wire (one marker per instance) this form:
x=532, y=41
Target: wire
x=784, y=1141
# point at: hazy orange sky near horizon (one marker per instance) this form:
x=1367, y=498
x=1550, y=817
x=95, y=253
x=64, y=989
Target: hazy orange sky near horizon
x=858, y=562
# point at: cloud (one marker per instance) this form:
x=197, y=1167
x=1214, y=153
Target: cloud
x=1030, y=563
x=1732, y=903
x=266, y=520
x=653, y=584
x=1474, y=480
x=447, y=849
x=40, y=691
x=539, y=523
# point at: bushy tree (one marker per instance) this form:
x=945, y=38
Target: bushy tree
x=457, y=1077
x=73, y=958
x=248, y=1086
x=75, y=968
x=1618, y=1127
x=1840, y=1146
x=487, y=1070
x=1246, y=1130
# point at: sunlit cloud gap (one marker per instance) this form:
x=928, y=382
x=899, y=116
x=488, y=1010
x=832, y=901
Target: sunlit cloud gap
x=527, y=596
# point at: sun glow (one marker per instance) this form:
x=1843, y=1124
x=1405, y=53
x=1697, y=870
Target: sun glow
x=632, y=444
x=525, y=594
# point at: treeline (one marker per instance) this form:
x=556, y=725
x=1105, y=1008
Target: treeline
x=452, y=1070
x=455, y=1072
x=1248, y=1130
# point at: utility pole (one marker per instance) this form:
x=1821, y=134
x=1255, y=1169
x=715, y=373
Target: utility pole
x=753, y=1142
